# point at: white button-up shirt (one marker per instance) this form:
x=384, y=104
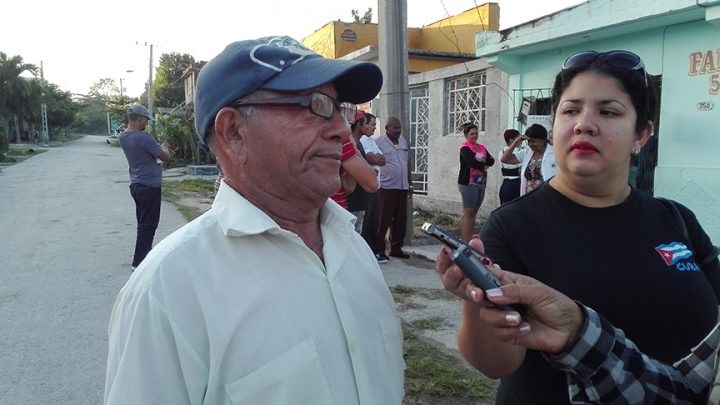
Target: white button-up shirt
x=371, y=147
x=232, y=309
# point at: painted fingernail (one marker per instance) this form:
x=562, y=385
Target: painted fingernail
x=513, y=318
x=473, y=295
x=475, y=236
x=495, y=292
x=525, y=328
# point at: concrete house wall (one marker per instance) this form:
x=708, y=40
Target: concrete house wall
x=443, y=147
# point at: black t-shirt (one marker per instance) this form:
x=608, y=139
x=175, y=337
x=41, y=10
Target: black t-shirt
x=627, y=262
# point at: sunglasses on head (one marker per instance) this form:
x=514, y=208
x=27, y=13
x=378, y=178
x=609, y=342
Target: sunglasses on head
x=618, y=59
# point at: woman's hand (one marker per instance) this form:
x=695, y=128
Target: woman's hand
x=520, y=139
x=478, y=339
x=552, y=322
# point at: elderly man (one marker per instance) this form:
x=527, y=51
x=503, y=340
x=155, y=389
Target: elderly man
x=395, y=189
x=270, y=297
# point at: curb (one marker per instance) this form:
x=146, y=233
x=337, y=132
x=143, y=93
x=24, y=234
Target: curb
x=428, y=252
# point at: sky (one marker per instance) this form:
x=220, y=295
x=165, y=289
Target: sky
x=82, y=41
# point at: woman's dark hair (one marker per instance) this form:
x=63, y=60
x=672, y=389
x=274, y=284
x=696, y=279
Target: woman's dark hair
x=633, y=82
x=510, y=134
x=468, y=126
x=536, y=131
x=369, y=117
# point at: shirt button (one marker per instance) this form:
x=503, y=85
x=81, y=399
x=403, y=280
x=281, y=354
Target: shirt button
x=353, y=349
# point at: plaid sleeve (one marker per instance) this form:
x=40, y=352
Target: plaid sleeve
x=605, y=367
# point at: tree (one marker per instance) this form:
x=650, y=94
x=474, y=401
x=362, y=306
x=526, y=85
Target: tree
x=169, y=89
x=14, y=90
x=103, y=90
x=104, y=97
x=27, y=113
x=91, y=116
x=62, y=110
x=365, y=19
x=178, y=131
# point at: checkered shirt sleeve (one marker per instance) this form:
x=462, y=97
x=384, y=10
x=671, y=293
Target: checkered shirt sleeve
x=605, y=367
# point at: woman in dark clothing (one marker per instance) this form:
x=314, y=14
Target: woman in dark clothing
x=510, y=188
x=472, y=179
x=590, y=235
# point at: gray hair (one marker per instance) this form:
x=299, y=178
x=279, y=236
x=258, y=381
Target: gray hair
x=246, y=111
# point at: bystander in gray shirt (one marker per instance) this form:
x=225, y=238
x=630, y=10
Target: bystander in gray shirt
x=141, y=151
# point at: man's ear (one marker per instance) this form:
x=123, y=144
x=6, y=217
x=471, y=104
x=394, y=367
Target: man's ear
x=230, y=132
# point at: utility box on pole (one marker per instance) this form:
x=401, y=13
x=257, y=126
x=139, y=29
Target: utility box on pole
x=393, y=58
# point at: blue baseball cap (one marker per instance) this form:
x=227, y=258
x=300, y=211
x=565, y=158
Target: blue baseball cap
x=278, y=64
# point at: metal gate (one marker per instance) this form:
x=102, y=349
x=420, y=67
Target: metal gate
x=419, y=111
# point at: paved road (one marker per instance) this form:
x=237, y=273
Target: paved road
x=67, y=231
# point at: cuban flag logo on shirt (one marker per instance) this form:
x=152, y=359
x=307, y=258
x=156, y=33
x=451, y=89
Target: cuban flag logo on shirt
x=673, y=252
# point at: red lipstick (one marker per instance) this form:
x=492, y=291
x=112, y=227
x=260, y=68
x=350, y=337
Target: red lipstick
x=583, y=148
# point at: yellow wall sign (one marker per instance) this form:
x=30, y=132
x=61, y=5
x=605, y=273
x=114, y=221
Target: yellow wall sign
x=707, y=63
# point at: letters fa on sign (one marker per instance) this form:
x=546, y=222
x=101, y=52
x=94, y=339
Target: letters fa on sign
x=707, y=63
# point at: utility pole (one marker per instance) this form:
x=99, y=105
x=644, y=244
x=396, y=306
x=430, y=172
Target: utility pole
x=43, y=109
x=393, y=58
x=150, y=81
x=150, y=84
x=122, y=96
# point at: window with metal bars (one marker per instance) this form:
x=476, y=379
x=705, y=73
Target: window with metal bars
x=419, y=133
x=466, y=102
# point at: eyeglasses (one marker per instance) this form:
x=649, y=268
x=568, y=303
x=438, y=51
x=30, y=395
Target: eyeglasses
x=319, y=103
x=619, y=59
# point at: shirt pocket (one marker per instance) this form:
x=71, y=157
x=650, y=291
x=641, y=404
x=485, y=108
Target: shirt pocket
x=296, y=377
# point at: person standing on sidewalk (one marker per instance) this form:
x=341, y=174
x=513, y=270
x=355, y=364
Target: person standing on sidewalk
x=358, y=199
x=143, y=155
x=376, y=158
x=395, y=189
x=472, y=178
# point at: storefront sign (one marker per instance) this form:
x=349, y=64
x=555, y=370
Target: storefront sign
x=707, y=63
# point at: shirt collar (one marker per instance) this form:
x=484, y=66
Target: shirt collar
x=237, y=216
